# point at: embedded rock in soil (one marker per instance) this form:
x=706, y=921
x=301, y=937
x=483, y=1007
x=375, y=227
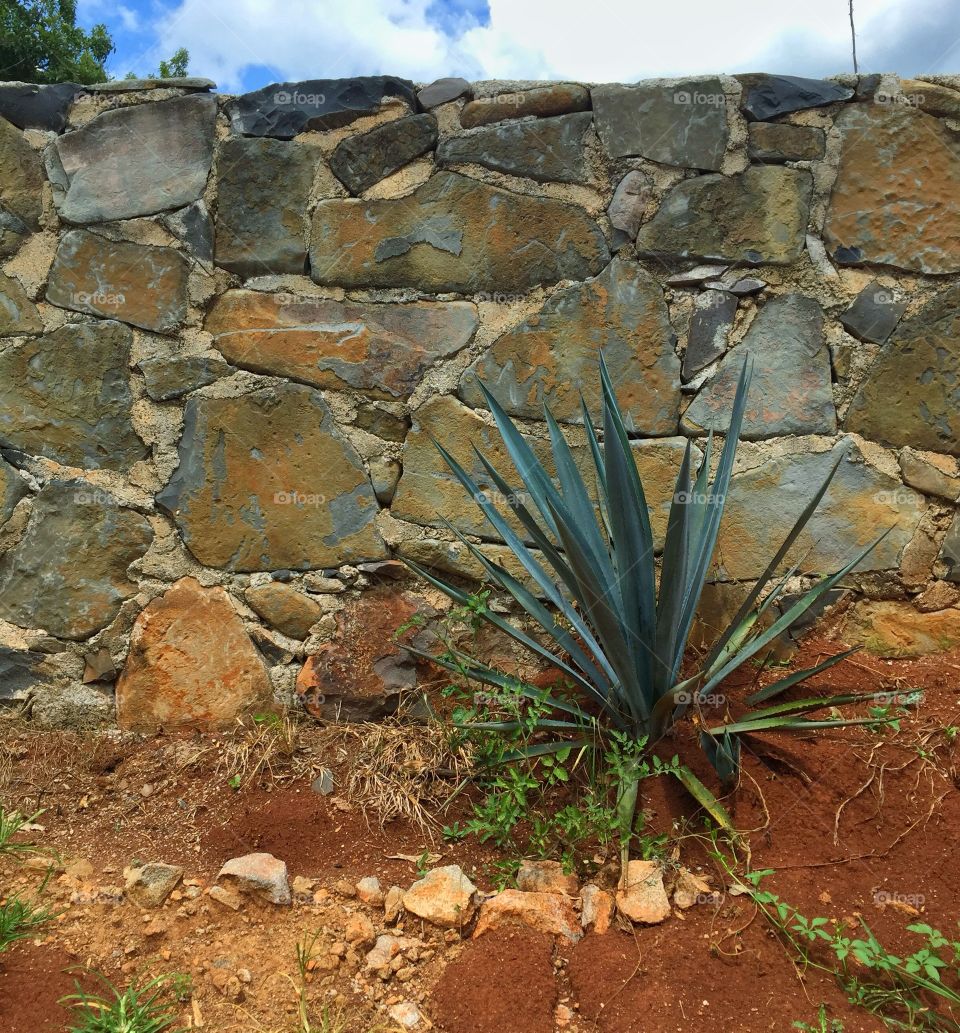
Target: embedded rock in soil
x=550, y=913
x=18, y=314
x=442, y=91
x=12, y=489
x=267, y=481
x=68, y=574
x=642, y=897
x=285, y=109
x=553, y=356
x=393, y=904
x=894, y=198
x=777, y=141
x=910, y=396
x=931, y=473
x=359, y=930
x=548, y=150
x=407, y=1015
x=683, y=124
x=766, y=96
x=892, y=628
x=454, y=234
x=361, y=161
x=284, y=608
x=169, y=377
x=150, y=884
x=66, y=396
x=597, y=911
x=757, y=216
x=382, y=350
x=710, y=323
x=191, y=664
x=444, y=897
x=546, y=877
x=791, y=391
x=542, y=102
x=259, y=875
x=145, y=286
x=263, y=193
x=21, y=188
x=134, y=160
x=629, y=202
x=689, y=889
x=29, y=106
x=874, y=314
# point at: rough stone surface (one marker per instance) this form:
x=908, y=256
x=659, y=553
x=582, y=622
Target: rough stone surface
x=29, y=106
x=550, y=913
x=777, y=141
x=442, y=91
x=194, y=227
x=259, y=875
x=767, y=96
x=939, y=596
x=284, y=608
x=191, y=664
x=66, y=396
x=791, y=392
x=894, y=199
x=554, y=354
x=597, y=910
x=874, y=314
x=68, y=574
x=627, y=208
x=173, y=82
x=263, y=192
x=683, y=124
x=931, y=473
x=12, y=489
x=21, y=188
x=546, y=877
x=266, y=481
x=444, y=897
x=104, y=171
x=892, y=628
x=546, y=149
x=19, y=672
x=454, y=234
x=150, y=884
x=145, y=286
x=912, y=393
x=18, y=314
x=927, y=96
x=542, y=102
x=950, y=551
x=166, y=378
x=757, y=216
x=642, y=897
x=383, y=350
x=360, y=161
x=710, y=323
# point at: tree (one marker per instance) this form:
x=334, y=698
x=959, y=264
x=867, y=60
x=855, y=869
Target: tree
x=40, y=42
x=176, y=66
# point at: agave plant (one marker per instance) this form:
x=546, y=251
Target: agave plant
x=614, y=636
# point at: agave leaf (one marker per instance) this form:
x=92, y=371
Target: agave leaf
x=788, y=724
x=780, y=686
x=723, y=752
x=542, y=749
x=813, y=703
x=516, y=726
x=704, y=797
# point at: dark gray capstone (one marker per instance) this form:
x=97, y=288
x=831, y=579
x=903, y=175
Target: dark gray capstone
x=18, y=672
x=767, y=96
x=684, y=124
x=874, y=314
x=194, y=227
x=442, y=91
x=29, y=106
x=171, y=377
x=545, y=149
x=713, y=315
x=285, y=109
x=12, y=489
x=360, y=161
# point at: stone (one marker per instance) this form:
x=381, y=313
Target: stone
x=407, y=1015
x=369, y=891
x=284, y=608
x=597, y=910
x=895, y=629
x=359, y=930
x=263, y=194
x=194, y=228
x=145, y=286
x=172, y=82
x=768, y=96
x=323, y=783
x=683, y=123
x=226, y=897
x=168, y=377
x=756, y=216
x=710, y=324
x=545, y=150
x=554, y=355
x=791, y=391
x=442, y=91
x=541, y=102
x=150, y=884
x=454, y=234
x=285, y=109
x=260, y=875
x=550, y=913
x=911, y=395
x=778, y=141
x=384, y=476
x=393, y=905
x=21, y=188
x=696, y=276
x=380, y=349
x=874, y=314
x=546, y=877
x=68, y=574
x=939, y=596
x=641, y=896
x=764, y=503
x=690, y=889
x=362, y=673
x=386, y=951
x=98, y=666
x=13, y=488
x=18, y=314
x=381, y=422
x=19, y=673
x=134, y=160
x=628, y=205
x=191, y=664
x=927, y=96
x=361, y=161
x=267, y=481
x=931, y=473
x=950, y=551
x=894, y=199
x=66, y=396
x=746, y=286
x=29, y=106
x=443, y=897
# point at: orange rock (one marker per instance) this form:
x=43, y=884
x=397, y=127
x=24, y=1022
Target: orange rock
x=546, y=877
x=550, y=913
x=642, y=897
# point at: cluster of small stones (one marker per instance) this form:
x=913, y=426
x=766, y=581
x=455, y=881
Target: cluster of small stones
x=232, y=327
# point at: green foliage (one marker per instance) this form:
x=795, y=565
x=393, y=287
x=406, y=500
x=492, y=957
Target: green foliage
x=40, y=42
x=150, y=1008
x=176, y=66
x=11, y=823
x=824, y=1023
x=20, y=919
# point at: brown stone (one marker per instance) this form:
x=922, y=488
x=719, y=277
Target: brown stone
x=284, y=608
x=550, y=913
x=18, y=314
x=642, y=897
x=929, y=97
x=779, y=141
x=931, y=473
x=597, y=910
x=939, y=596
x=444, y=897
x=546, y=877
x=382, y=350
x=191, y=664
x=21, y=188
x=891, y=628
x=542, y=101
x=145, y=286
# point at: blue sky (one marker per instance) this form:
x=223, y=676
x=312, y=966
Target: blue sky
x=245, y=44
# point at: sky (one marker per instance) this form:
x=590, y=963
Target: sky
x=245, y=44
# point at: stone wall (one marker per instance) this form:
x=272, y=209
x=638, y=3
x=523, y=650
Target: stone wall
x=230, y=327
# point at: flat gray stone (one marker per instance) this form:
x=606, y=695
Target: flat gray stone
x=778, y=141
x=18, y=314
x=194, y=227
x=629, y=202
x=541, y=102
x=360, y=161
x=30, y=106
x=171, y=377
x=21, y=188
x=768, y=96
x=710, y=323
x=442, y=91
x=174, y=82
x=874, y=314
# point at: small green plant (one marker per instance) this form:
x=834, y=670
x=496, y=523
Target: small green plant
x=12, y=823
x=149, y=1008
x=20, y=919
x=824, y=1024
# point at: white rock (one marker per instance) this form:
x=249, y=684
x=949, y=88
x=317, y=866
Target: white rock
x=261, y=875
x=642, y=896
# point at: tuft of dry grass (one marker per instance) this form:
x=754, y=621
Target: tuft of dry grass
x=263, y=750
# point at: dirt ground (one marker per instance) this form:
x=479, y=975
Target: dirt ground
x=855, y=822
